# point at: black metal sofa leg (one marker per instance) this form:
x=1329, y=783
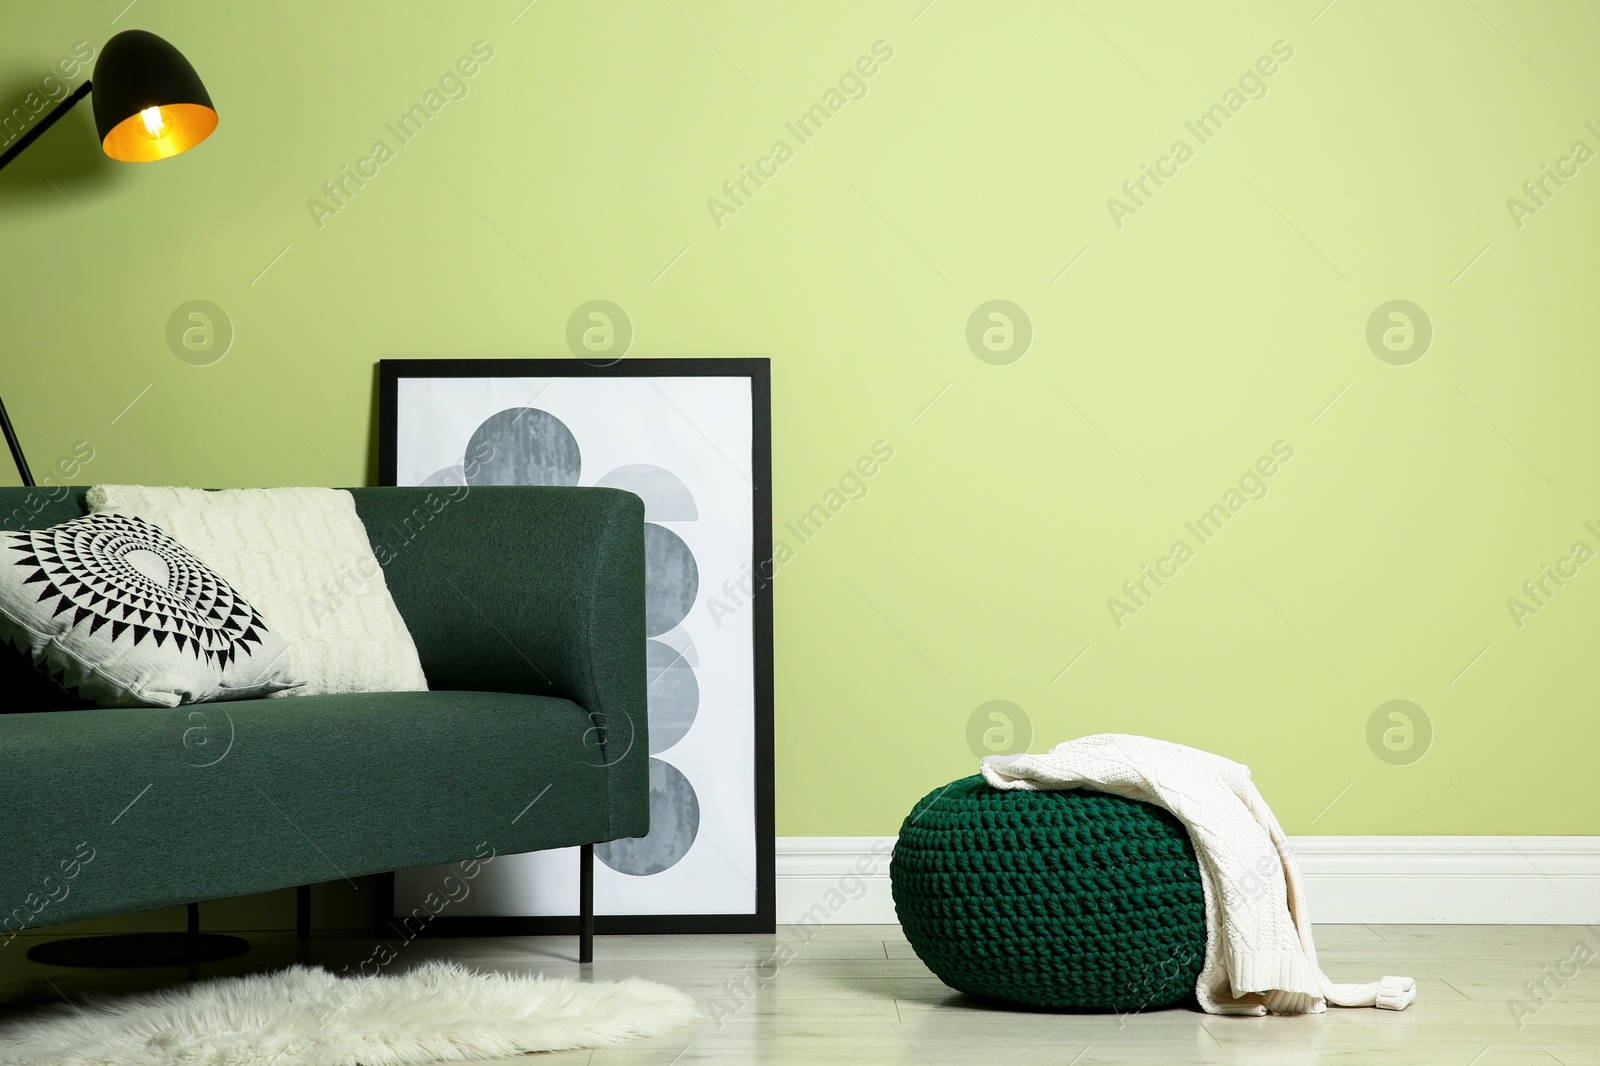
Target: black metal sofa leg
x=586, y=903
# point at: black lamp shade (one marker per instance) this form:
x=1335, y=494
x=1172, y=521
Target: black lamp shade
x=148, y=101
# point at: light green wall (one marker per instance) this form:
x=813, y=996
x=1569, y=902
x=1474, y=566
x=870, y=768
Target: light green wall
x=1221, y=317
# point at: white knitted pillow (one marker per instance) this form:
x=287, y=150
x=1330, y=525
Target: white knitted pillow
x=302, y=558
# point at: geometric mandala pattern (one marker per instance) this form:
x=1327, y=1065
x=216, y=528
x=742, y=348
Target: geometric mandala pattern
x=121, y=573
x=119, y=614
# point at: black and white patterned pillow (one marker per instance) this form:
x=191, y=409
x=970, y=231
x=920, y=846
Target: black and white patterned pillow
x=111, y=606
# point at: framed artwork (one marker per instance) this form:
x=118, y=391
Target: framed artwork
x=691, y=437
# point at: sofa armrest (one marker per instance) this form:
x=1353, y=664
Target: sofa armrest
x=537, y=590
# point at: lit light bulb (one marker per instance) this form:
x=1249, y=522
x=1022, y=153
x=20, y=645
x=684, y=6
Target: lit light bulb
x=152, y=121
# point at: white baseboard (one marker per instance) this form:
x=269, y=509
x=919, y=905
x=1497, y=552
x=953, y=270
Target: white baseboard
x=810, y=868
x=1378, y=879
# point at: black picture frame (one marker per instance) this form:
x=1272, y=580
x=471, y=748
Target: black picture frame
x=758, y=371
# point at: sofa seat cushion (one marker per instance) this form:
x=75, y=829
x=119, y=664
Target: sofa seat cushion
x=221, y=799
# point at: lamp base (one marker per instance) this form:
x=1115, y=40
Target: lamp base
x=139, y=949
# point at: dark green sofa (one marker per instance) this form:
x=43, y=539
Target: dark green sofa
x=527, y=608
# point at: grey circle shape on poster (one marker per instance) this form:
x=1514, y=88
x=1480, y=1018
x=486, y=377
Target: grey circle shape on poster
x=1399, y=332
x=679, y=641
x=674, y=825
x=1399, y=732
x=524, y=446
x=599, y=329
x=673, y=695
x=199, y=332
x=666, y=498
x=445, y=477
x=671, y=579
x=999, y=332
x=999, y=727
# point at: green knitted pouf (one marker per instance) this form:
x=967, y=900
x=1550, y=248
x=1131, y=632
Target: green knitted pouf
x=1067, y=900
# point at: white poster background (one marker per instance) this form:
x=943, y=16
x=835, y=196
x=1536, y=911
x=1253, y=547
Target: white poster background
x=699, y=428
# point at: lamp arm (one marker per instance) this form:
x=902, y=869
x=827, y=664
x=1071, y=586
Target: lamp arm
x=45, y=123
x=11, y=153
x=16, y=446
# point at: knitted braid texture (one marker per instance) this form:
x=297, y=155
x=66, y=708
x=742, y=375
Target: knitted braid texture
x=1067, y=900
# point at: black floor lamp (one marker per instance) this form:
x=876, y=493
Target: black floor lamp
x=15, y=446
x=149, y=104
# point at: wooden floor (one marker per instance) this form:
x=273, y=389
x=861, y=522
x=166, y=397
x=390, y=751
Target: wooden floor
x=857, y=994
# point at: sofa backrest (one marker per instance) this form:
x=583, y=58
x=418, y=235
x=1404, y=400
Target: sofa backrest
x=502, y=588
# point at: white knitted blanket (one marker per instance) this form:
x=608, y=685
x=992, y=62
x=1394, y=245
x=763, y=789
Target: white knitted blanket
x=1259, y=954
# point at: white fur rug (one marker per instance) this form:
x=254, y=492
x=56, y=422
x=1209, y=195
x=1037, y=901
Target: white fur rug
x=440, y=1012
